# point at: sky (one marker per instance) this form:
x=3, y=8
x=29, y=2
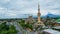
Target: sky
x=17, y=8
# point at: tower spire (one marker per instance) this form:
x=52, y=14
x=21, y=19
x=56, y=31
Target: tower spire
x=38, y=13
x=39, y=23
x=38, y=7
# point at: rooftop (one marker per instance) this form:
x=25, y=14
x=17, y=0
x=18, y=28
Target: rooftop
x=57, y=27
x=51, y=31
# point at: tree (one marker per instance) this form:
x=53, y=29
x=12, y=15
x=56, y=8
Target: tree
x=12, y=30
x=7, y=29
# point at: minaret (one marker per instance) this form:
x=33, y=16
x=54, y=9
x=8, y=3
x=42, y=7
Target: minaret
x=39, y=24
x=38, y=14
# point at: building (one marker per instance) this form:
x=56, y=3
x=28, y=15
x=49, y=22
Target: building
x=56, y=28
x=30, y=20
x=39, y=23
x=50, y=31
x=57, y=22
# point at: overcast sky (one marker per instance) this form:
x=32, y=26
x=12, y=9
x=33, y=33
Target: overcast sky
x=15, y=8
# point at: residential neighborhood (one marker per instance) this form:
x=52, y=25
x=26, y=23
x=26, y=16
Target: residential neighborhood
x=38, y=17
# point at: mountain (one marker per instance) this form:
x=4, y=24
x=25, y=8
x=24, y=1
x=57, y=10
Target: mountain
x=49, y=15
x=52, y=15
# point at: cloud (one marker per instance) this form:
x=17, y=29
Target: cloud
x=53, y=6
x=15, y=8
x=55, y=12
x=4, y=2
x=11, y=15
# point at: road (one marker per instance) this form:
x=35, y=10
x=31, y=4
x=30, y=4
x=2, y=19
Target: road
x=18, y=28
x=21, y=30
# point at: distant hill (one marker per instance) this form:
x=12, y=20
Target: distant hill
x=50, y=15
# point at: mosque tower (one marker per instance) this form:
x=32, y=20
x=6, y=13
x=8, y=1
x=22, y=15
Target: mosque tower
x=39, y=14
